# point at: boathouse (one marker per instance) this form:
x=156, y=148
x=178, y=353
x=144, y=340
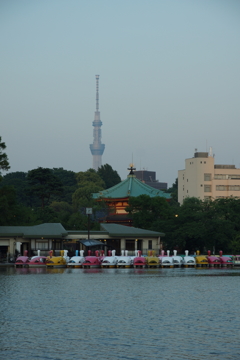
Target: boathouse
x=53, y=236
x=116, y=198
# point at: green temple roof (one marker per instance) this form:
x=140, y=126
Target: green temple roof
x=130, y=187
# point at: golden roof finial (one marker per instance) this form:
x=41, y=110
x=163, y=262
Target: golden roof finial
x=131, y=168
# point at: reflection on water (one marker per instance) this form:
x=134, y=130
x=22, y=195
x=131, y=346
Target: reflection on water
x=39, y=270
x=119, y=314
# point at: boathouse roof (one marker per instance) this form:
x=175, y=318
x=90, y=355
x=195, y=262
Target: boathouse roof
x=130, y=231
x=51, y=230
x=130, y=187
x=57, y=231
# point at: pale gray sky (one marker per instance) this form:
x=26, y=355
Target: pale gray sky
x=169, y=82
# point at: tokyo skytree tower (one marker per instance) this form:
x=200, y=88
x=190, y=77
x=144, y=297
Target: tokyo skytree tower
x=97, y=148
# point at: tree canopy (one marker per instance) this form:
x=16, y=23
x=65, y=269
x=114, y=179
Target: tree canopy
x=108, y=175
x=173, y=190
x=69, y=184
x=195, y=225
x=4, y=164
x=148, y=212
x=88, y=182
x=18, y=180
x=44, y=184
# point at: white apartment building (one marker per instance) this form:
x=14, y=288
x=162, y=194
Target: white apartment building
x=204, y=180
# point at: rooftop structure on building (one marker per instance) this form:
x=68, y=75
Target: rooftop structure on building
x=149, y=178
x=97, y=148
x=202, y=179
x=117, y=197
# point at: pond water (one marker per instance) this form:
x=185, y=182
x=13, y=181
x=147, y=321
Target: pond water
x=77, y=314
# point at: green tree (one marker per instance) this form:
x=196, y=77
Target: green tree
x=63, y=211
x=88, y=182
x=90, y=176
x=4, y=164
x=46, y=214
x=69, y=183
x=186, y=227
x=7, y=206
x=108, y=175
x=205, y=225
x=82, y=197
x=234, y=245
x=79, y=221
x=44, y=184
x=173, y=190
x=148, y=212
x=225, y=224
x=11, y=213
x=18, y=180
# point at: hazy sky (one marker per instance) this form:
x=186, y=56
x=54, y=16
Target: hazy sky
x=169, y=82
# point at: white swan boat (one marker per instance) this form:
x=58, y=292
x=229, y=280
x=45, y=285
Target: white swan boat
x=110, y=261
x=124, y=260
x=189, y=261
x=166, y=260
x=177, y=260
x=76, y=261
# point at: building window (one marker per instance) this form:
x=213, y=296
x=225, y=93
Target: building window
x=234, y=177
x=139, y=244
x=226, y=176
x=57, y=245
x=41, y=245
x=221, y=187
x=150, y=244
x=207, y=197
x=234, y=187
x=207, y=177
x=130, y=245
x=220, y=177
x=207, y=188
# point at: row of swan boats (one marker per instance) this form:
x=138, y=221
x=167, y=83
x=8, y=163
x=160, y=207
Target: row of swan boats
x=99, y=260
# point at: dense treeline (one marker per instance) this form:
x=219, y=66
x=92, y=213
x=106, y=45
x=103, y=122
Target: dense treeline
x=195, y=225
x=53, y=195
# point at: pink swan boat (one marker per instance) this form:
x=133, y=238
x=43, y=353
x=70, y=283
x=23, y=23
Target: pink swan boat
x=21, y=261
x=93, y=261
x=139, y=261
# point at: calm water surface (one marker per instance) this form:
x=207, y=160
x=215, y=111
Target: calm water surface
x=75, y=314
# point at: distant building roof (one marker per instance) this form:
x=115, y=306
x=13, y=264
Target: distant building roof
x=149, y=178
x=130, y=187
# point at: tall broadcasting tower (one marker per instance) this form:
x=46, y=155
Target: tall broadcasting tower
x=97, y=148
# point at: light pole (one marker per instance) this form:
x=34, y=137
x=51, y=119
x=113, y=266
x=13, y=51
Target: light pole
x=89, y=212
